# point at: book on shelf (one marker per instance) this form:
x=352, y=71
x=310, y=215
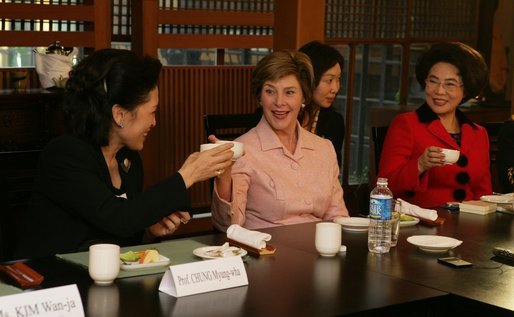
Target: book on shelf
x=477, y=207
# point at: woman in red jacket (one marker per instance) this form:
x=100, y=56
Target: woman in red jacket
x=412, y=158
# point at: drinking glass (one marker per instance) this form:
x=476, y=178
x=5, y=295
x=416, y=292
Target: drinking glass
x=395, y=227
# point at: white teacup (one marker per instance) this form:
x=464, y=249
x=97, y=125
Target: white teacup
x=104, y=263
x=451, y=156
x=238, y=148
x=328, y=238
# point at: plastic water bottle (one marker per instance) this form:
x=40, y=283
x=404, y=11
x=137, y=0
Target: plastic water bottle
x=380, y=205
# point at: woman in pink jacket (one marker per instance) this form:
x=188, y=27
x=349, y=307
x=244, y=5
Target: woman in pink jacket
x=412, y=160
x=287, y=175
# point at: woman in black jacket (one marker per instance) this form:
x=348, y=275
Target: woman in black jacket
x=89, y=186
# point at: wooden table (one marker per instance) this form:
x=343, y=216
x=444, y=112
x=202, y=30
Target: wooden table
x=297, y=282
x=488, y=285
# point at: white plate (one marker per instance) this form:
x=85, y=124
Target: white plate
x=358, y=224
x=209, y=252
x=433, y=243
x=409, y=223
x=128, y=266
x=498, y=199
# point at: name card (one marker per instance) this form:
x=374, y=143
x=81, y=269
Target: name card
x=51, y=302
x=202, y=277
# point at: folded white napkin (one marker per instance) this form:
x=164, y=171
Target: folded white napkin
x=416, y=211
x=252, y=238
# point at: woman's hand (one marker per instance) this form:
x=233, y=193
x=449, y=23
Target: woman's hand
x=432, y=156
x=201, y=166
x=223, y=182
x=169, y=224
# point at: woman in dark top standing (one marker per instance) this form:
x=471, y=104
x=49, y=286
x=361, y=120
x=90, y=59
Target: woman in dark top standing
x=89, y=186
x=319, y=115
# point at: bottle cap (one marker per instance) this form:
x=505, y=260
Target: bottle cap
x=382, y=181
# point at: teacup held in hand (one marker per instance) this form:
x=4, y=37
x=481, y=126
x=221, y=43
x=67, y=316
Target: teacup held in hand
x=450, y=156
x=238, y=148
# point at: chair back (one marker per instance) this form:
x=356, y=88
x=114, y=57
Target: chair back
x=493, y=130
x=378, y=135
x=229, y=126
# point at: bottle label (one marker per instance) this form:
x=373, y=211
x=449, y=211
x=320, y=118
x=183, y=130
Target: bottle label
x=380, y=208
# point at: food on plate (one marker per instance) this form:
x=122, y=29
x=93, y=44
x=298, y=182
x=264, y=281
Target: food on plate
x=150, y=256
x=224, y=250
x=130, y=256
x=143, y=257
x=406, y=218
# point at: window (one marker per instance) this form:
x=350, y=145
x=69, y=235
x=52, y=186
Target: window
x=215, y=56
x=196, y=56
x=24, y=56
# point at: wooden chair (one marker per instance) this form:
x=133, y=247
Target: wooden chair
x=229, y=126
x=17, y=173
x=378, y=135
x=493, y=129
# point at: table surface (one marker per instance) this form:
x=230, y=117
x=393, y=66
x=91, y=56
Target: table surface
x=296, y=281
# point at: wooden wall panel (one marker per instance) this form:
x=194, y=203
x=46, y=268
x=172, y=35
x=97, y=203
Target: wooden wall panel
x=186, y=95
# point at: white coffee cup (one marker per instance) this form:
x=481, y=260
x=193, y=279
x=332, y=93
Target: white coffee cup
x=328, y=238
x=104, y=263
x=238, y=148
x=450, y=156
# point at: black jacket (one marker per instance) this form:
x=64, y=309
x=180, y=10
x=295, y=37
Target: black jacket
x=74, y=203
x=331, y=126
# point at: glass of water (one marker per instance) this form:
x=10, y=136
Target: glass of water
x=395, y=222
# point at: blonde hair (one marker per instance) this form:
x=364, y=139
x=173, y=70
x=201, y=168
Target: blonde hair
x=284, y=63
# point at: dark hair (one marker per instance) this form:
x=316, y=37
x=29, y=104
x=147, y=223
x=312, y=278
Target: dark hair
x=471, y=65
x=280, y=64
x=101, y=80
x=323, y=57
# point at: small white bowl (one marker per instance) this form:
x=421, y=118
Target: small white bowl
x=238, y=148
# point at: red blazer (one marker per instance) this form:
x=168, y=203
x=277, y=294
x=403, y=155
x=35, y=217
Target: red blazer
x=409, y=135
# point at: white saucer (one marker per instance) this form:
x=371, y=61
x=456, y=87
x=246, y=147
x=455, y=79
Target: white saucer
x=498, y=199
x=357, y=224
x=209, y=252
x=433, y=243
x=128, y=266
